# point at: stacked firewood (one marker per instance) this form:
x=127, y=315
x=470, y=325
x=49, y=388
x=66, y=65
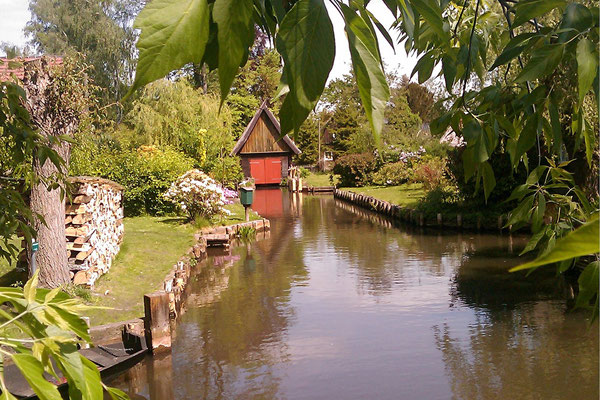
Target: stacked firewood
x=94, y=227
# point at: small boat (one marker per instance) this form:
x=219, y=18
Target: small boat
x=111, y=359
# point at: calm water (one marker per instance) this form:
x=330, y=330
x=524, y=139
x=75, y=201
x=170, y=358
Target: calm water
x=338, y=304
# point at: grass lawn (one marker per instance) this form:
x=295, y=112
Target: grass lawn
x=318, y=179
x=403, y=195
x=150, y=247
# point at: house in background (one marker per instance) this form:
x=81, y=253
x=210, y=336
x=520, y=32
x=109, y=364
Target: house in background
x=264, y=154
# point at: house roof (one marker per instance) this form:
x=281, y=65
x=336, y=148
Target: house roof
x=16, y=66
x=244, y=138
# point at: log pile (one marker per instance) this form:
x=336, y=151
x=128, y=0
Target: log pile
x=93, y=227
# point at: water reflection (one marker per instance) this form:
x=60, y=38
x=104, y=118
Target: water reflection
x=339, y=303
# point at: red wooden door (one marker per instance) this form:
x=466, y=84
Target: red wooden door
x=266, y=170
x=273, y=169
x=257, y=170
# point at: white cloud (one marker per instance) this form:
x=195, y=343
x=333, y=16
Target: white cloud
x=14, y=15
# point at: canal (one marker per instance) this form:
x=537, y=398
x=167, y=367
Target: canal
x=336, y=303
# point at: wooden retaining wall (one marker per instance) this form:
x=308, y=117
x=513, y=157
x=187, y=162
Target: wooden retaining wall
x=413, y=217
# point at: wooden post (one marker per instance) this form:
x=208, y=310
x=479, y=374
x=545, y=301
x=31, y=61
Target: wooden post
x=439, y=219
x=459, y=220
x=479, y=222
x=499, y=222
x=156, y=324
x=246, y=213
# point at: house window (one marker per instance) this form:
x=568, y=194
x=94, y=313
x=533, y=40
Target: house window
x=328, y=156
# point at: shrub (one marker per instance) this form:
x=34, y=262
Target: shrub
x=355, y=169
x=430, y=171
x=198, y=195
x=145, y=174
x=393, y=174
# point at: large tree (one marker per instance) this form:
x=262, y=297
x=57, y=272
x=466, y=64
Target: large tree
x=99, y=29
x=56, y=99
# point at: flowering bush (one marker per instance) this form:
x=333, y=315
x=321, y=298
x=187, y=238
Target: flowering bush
x=198, y=195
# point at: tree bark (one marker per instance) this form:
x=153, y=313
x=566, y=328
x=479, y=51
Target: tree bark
x=51, y=257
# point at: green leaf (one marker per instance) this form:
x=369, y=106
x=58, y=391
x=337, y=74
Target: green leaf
x=307, y=44
x=69, y=361
x=556, y=127
x=384, y=32
x=432, y=14
x=587, y=66
x=576, y=18
x=116, y=394
x=235, y=33
x=536, y=174
x=543, y=62
x=173, y=33
x=532, y=243
x=507, y=55
x=372, y=85
x=449, y=70
x=408, y=18
x=69, y=321
x=92, y=379
x=424, y=67
x=526, y=137
x=489, y=181
x=538, y=213
x=475, y=137
x=33, y=372
x=526, y=10
x=521, y=213
x=590, y=142
x=581, y=242
x=29, y=289
x=588, y=285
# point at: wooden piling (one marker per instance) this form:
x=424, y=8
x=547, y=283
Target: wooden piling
x=439, y=219
x=157, y=329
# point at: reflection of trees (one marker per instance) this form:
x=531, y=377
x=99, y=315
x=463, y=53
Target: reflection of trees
x=533, y=352
x=384, y=254
x=226, y=349
x=483, y=281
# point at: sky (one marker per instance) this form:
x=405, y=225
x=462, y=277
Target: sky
x=15, y=14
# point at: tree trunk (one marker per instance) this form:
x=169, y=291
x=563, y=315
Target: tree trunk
x=51, y=258
x=48, y=106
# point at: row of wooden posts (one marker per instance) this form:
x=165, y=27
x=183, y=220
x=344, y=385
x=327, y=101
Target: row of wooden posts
x=417, y=218
x=163, y=306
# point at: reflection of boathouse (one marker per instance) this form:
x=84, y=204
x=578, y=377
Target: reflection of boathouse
x=265, y=154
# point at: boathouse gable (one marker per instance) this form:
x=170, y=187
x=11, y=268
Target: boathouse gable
x=264, y=154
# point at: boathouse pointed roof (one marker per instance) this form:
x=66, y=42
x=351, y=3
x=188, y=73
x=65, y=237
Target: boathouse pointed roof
x=263, y=109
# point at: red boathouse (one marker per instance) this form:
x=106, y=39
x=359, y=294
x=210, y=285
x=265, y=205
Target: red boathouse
x=265, y=155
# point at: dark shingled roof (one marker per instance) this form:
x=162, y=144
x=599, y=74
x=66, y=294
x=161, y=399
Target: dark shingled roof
x=244, y=138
